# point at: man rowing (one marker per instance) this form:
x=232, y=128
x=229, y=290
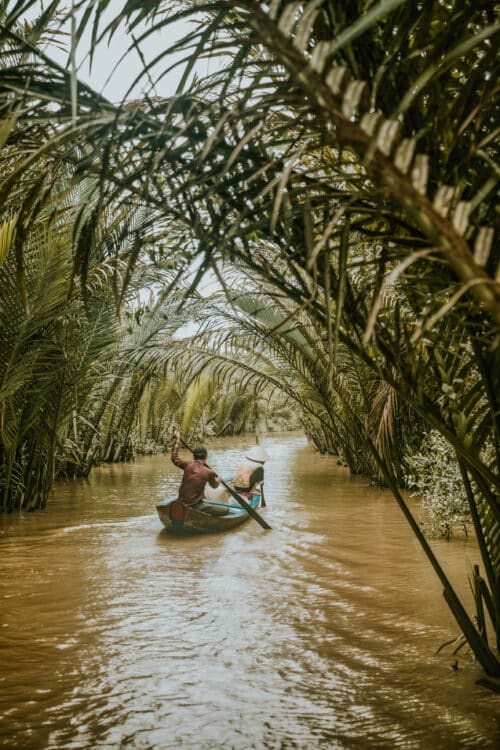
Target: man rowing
x=196, y=475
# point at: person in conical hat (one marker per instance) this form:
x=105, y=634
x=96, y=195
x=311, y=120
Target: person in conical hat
x=257, y=454
x=250, y=472
x=248, y=477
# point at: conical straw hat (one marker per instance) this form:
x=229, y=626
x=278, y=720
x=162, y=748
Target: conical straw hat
x=257, y=453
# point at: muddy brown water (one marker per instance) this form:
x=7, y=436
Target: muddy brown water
x=318, y=634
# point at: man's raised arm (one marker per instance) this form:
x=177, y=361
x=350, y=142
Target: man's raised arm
x=174, y=454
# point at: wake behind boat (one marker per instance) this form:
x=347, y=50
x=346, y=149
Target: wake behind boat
x=184, y=519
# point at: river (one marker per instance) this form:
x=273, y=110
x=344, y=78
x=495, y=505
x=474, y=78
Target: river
x=320, y=633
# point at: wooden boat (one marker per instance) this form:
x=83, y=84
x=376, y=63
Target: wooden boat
x=183, y=519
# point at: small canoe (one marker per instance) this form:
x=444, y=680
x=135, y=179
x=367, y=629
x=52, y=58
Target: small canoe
x=183, y=519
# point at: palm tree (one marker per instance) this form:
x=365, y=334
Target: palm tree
x=338, y=173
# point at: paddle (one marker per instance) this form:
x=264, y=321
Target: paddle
x=262, y=498
x=241, y=500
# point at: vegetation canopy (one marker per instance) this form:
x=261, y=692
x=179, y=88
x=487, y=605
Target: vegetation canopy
x=333, y=179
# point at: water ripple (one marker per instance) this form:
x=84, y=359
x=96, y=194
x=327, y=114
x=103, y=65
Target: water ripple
x=318, y=634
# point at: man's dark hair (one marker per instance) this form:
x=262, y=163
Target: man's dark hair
x=200, y=454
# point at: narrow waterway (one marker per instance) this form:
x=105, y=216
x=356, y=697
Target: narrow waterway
x=318, y=634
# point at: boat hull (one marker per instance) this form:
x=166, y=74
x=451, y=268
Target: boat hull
x=182, y=519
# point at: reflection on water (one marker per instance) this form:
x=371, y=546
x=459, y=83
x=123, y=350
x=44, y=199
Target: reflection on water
x=318, y=634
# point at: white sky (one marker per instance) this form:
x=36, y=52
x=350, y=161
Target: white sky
x=108, y=53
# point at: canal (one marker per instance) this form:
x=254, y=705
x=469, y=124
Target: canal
x=321, y=633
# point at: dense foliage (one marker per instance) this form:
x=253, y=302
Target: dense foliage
x=341, y=161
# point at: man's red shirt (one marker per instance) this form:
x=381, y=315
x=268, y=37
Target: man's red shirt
x=196, y=475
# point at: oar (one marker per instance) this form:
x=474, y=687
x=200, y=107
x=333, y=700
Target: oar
x=262, y=498
x=241, y=500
